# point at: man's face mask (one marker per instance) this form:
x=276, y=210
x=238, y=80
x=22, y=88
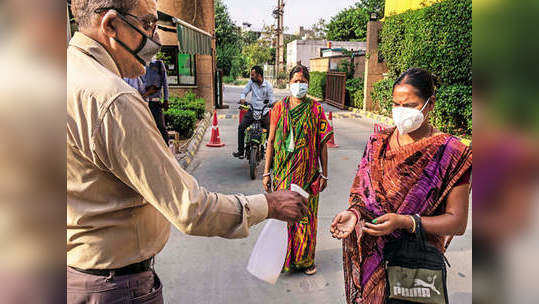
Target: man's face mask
x=148, y=47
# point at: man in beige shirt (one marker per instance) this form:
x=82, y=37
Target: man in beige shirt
x=124, y=187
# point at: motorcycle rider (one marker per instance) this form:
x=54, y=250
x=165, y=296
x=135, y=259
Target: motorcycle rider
x=261, y=90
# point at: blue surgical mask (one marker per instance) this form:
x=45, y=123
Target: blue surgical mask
x=299, y=90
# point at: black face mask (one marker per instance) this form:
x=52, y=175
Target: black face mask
x=148, y=46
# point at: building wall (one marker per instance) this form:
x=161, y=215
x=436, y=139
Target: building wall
x=324, y=64
x=199, y=13
x=319, y=64
x=394, y=7
x=205, y=82
x=304, y=50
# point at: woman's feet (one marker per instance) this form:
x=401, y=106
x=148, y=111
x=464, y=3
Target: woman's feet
x=310, y=270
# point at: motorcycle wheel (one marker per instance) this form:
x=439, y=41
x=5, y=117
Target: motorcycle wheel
x=253, y=161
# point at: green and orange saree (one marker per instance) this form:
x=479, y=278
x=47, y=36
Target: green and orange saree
x=300, y=134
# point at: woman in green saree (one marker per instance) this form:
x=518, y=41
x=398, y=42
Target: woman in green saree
x=296, y=151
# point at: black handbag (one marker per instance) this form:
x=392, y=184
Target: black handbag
x=415, y=270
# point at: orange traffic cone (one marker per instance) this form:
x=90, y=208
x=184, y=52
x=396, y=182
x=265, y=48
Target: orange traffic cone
x=215, y=141
x=331, y=141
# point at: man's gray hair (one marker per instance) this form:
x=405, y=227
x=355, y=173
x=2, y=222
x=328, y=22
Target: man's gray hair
x=84, y=10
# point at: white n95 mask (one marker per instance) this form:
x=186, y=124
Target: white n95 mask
x=408, y=119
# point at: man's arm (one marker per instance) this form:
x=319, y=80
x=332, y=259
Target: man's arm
x=246, y=90
x=164, y=81
x=128, y=143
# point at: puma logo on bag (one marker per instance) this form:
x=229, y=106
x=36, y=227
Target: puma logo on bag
x=421, y=283
x=421, y=289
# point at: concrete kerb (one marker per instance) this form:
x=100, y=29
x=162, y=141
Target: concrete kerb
x=186, y=157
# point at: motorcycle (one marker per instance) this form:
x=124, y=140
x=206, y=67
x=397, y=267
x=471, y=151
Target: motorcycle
x=255, y=137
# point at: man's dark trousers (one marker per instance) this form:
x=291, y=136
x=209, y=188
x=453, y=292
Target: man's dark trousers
x=157, y=112
x=245, y=123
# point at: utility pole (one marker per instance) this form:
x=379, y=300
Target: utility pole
x=279, y=49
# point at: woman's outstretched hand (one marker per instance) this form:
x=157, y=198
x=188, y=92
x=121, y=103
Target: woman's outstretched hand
x=343, y=224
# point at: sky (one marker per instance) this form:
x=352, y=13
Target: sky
x=296, y=12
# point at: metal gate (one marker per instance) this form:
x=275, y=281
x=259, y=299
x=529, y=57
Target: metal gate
x=336, y=89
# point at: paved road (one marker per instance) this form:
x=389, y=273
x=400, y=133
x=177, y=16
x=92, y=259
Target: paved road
x=212, y=270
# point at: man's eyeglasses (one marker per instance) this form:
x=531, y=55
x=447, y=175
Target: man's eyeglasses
x=149, y=23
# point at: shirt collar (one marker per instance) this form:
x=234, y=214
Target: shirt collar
x=262, y=85
x=94, y=49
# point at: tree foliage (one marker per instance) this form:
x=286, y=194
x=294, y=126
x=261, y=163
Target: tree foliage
x=228, y=38
x=349, y=24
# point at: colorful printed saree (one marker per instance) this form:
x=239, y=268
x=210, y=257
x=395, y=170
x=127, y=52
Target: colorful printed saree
x=415, y=178
x=300, y=133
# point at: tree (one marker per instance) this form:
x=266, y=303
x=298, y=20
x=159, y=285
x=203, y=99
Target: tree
x=256, y=54
x=318, y=30
x=228, y=38
x=374, y=6
x=349, y=24
x=260, y=51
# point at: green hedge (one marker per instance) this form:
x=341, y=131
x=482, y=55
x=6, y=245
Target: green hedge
x=189, y=102
x=437, y=38
x=181, y=121
x=184, y=112
x=317, y=84
x=354, y=87
x=382, y=96
x=453, y=110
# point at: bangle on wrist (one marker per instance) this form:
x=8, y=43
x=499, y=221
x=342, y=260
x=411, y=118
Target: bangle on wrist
x=266, y=174
x=323, y=176
x=413, y=224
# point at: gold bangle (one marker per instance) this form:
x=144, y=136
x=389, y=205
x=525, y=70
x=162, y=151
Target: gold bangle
x=414, y=224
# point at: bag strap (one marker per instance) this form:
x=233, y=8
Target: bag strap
x=419, y=232
x=421, y=237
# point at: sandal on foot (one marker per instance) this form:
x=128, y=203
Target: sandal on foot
x=310, y=271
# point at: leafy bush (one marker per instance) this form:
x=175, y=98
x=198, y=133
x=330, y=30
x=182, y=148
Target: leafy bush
x=382, y=96
x=437, y=38
x=354, y=87
x=453, y=110
x=240, y=82
x=317, y=84
x=349, y=24
x=228, y=79
x=184, y=112
x=181, y=121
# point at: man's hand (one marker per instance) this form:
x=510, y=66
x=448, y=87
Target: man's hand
x=286, y=205
x=343, y=224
